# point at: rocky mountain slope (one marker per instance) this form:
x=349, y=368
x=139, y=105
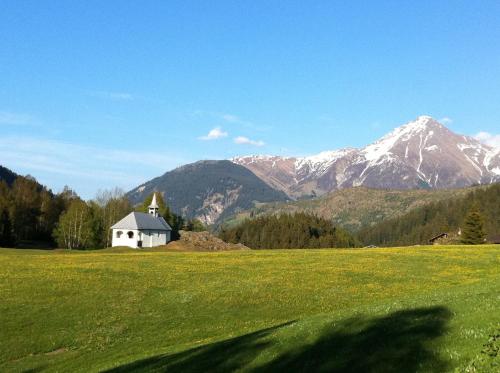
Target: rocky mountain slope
x=209, y=190
x=420, y=154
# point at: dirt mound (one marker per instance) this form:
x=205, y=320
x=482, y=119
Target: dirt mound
x=202, y=241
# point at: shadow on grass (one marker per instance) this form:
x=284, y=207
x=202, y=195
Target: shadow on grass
x=399, y=342
x=224, y=356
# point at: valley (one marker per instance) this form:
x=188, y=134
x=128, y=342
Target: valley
x=250, y=186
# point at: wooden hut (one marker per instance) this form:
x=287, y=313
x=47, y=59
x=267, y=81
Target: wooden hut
x=436, y=240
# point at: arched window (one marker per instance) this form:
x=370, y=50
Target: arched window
x=130, y=234
x=119, y=234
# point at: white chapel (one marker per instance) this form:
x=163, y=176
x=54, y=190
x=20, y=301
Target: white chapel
x=139, y=229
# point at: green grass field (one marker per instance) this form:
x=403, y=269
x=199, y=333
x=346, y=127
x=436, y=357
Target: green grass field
x=379, y=310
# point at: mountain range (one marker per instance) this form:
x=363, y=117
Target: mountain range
x=421, y=154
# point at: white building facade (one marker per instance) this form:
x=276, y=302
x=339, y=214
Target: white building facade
x=139, y=229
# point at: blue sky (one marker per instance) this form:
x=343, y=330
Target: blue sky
x=96, y=94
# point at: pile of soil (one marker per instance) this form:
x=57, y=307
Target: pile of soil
x=202, y=241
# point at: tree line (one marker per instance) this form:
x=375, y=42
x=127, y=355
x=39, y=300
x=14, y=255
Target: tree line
x=29, y=211
x=288, y=231
x=31, y=214
x=476, y=216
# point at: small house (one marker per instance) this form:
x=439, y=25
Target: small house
x=139, y=229
x=437, y=239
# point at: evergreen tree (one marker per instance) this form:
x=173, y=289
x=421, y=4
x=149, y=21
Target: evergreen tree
x=25, y=208
x=6, y=239
x=473, y=232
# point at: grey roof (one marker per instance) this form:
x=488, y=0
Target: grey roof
x=140, y=220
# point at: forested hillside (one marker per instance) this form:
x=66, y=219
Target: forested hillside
x=353, y=208
x=288, y=231
x=447, y=216
x=28, y=211
x=7, y=175
x=32, y=215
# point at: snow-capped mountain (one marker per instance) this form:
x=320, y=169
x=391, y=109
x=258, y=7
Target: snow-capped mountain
x=420, y=154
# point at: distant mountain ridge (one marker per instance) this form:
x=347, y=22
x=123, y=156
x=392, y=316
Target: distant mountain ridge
x=209, y=190
x=420, y=154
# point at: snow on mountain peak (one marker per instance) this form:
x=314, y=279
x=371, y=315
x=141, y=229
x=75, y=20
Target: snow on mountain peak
x=326, y=156
x=319, y=163
x=381, y=149
x=422, y=123
x=424, y=118
x=247, y=159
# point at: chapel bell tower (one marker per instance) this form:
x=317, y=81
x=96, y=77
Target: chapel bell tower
x=153, y=207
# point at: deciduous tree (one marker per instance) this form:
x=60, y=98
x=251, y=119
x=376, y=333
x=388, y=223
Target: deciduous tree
x=75, y=227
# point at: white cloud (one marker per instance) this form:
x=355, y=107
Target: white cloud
x=214, y=134
x=113, y=96
x=247, y=141
x=85, y=168
x=488, y=139
x=16, y=119
x=446, y=120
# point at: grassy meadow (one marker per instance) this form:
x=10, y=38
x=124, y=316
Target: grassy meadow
x=381, y=310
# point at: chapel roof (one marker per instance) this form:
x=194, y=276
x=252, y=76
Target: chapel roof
x=141, y=220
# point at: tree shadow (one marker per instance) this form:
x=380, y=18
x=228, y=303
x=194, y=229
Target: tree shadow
x=224, y=356
x=400, y=342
